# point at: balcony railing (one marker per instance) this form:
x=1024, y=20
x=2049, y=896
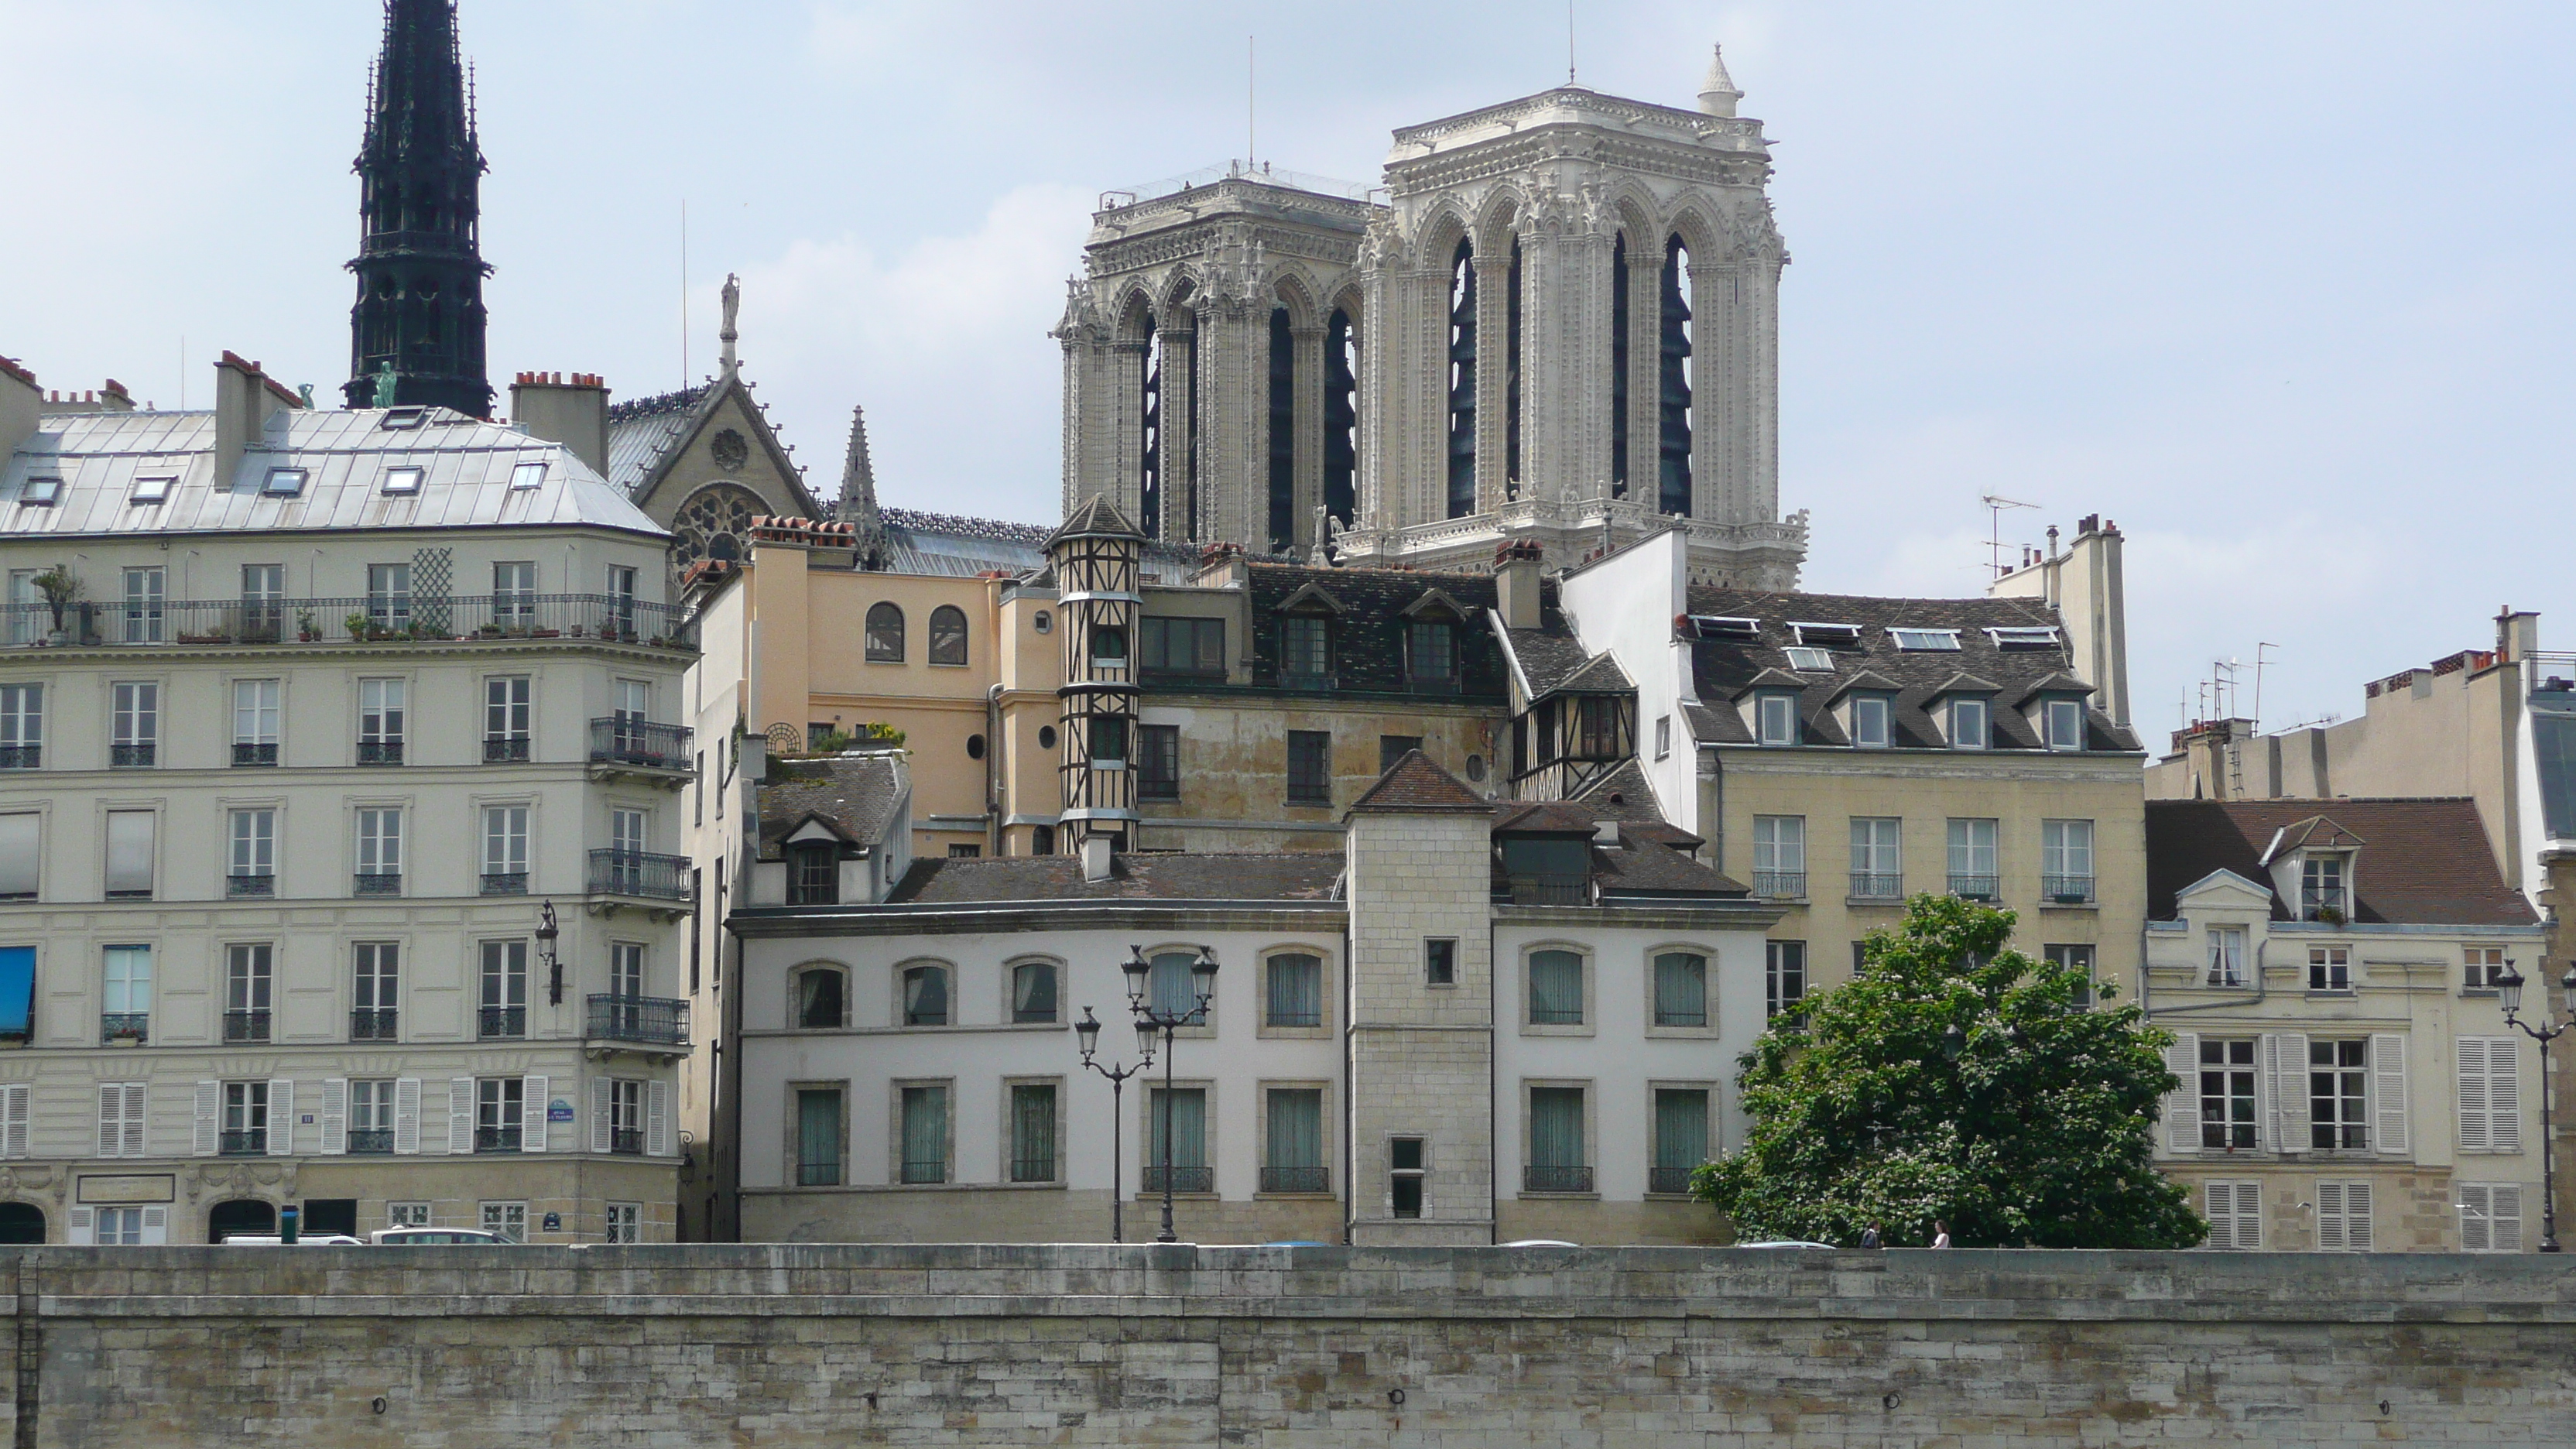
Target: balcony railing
x=1440, y=684
x=255, y=754
x=380, y=752
x=131, y=757
x=503, y=1021
x=654, y=1020
x=250, y=1143
x=371, y=1141
x=505, y=749
x=823, y=1173
x=372, y=1023
x=925, y=1170
x=621, y=741
x=1973, y=887
x=496, y=1139
x=1556, y=1179
x=385, y=619
x=1032, y=1169
x=376, y=884
x=1876, y=885
x=22, y=757
x=2067, y=890
x=1184, y=1179
x=1290, y=679
x=505, y=882
x=1551, y=890
x=245, y=1026
x=634, y=873
x=1668, y=1179
x=1783, y=885
x=237, y=886
x=134, y=1026
x=1296, y=1179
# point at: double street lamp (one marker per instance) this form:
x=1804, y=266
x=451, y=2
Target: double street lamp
x=2509, y=989
x=1088, y=1029
x=1151, y=1017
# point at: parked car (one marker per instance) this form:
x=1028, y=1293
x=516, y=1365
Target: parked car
x=307, y=1240
x=436, y=1237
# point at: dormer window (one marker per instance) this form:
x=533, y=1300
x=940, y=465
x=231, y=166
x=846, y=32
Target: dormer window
x=1719, y=626
x=1871, y=721
x=1926, y=641
x=1430, y=654
x=1970, y=725
x=1827, y=636
x=2324, y=887
x=1809, y=661
x=1306, y=651
x=2062, y=722
x=813, y=874
x=1775, y=718
x=2024, y=638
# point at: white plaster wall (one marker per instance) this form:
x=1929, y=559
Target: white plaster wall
x=1626, y=604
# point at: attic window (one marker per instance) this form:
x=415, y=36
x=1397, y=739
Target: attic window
x=284, y=483
x=41, y=492
x=1810, y=661
x=401, y=418
x=2020, y=638
x=528, y=475
x=402, y=480
x=1827, y=636
x=152, y=488
x=1926, y=641
x=1718, y=626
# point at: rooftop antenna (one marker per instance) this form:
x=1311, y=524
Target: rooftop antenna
x=2258, y=684
x=1569, y=42
x=1250, y=94
x=1995, y=506
x=684, y=293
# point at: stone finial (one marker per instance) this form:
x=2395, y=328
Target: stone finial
x=1717, y=94
x=732, y=332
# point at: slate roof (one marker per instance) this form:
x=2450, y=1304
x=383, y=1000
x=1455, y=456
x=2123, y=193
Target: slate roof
x=468, y=466
x=1283, y=876
x=856, y=795
x=1414, y=783
x=1095, y=516
x=940, y=543
x=1645, y=866
x=1725, y=668
x=643, y=431
x=1368, y=635
x=2423, y=862
x=1548, y=657
x=1625, y=794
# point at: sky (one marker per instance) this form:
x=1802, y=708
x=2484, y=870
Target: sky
x=2282, y=289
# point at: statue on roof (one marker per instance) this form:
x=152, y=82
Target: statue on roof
x=386, y=384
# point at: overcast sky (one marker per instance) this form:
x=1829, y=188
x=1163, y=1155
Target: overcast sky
x=2283, y=289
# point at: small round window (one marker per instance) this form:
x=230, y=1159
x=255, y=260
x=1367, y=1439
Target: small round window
x=1046, y=737
x=1475, y=767
x=974, y=747
x=1044, y=621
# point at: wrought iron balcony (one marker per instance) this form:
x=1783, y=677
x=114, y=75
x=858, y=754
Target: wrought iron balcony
x=250, y=1143
x=626, y=1141
x=237, y=886
x=496, y=1139
x=1973, y=887
x=22, y=757
x=255, y=754
x=1184, y=1179
x=1780, y=884
x=382, y=619
x=1556, y=1179
x=1877, y=885
x=505, y=749
x=245, y=1026
x=925, y=1170
x=822, y=1173
x=380, y=752
x=376, y=884
x=503, y=1022
x=1032, y=1169
x=1668, y=1179
x=634, y=873
x=619, y=740
x=652, y=1020
x=1566, y=889
x=131, y=757
x=372, y=1023
x=1296, y=1179
x=371, y=1141
x=505, y=882
x=134, y=1026
x=2067, y=890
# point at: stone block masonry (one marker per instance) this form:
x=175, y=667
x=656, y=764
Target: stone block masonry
x=1283, y=1347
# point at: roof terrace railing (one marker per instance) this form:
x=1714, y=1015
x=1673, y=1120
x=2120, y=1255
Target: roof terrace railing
x=364, y=619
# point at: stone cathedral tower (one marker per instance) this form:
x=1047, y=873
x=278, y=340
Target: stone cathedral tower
x=1561, y=325
x=420, y=265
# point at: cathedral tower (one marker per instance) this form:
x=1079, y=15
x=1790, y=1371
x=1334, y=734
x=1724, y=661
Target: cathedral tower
x=420, y=267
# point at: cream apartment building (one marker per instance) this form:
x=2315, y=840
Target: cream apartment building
x=339, y=827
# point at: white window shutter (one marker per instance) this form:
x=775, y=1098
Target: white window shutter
x=2249, y=1215
x=335, y=1116
x=2473, y=1094
x=2218, y=1204
x=2356, y=1210
x=2289, y=1092
x=2505, y=1202
x=81, y=1227
x=156, y=1226
x=532, y=1114
x=281, y=1117
x=2182, y=1104
x=2388, y=1119
x=2330, y=1208
x=460, y=1114
x=2504, y=1096
x=2477, y=1223
x=15, y=1101
x=210, y=1109
x=599, y=1090
x=407, y=1116
x=657, y=1119
x=111, y=1119
x=131, y=1133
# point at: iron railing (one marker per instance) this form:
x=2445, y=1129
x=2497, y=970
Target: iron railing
x=505, y=882
x=22, y=757
x=250, y=1143
x=823, y=1173
x=496, y=1139
x=925, y=1170
x=125, y=1026
x=1680, y=1016
x=1668, y=1179
x=383, y=619
x=1780, y=884
x=131, y=757
x=654, y=1020
x=380, y=883
x=505, y=749
x=255, y=754
x=1535, y=1178
x=1551, y=890
x=622, y=741
x=245, y=1026
x=2067, y=890
x=1431, y=684
x=372, y=1023
x=1184, y=1179
x=371, y=1141
x=626, y=1141
x=635, y=873
x=1973, y=887
x=380, y=752
x=250, y=885
x=1032, y=1169
x=1296, y=1179
x=1289, y=679
x=503, y=1021
x=1877, y=885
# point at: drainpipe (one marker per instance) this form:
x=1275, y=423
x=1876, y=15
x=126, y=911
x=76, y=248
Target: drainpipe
x=1350, y=1144
x=992, y=766
x=2256, y=1000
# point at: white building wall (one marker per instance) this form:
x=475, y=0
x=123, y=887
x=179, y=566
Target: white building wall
x=1625, y=604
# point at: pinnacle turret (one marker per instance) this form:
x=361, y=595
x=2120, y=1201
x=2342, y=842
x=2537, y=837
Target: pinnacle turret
x=1717, y=94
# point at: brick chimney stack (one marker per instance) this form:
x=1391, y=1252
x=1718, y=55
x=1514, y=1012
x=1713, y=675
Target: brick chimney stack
x=1516, y=583
x=571, y=410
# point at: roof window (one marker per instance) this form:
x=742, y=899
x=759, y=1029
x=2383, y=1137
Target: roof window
x=1718, y=626
x=1810, y=661
x=402, y=480
x=284, y=483
x=528, y=475
x=1826, y=636
x=41, y=492
x=398, y=419
x=152, y=487
x=2024, y=638
x=1926, y=641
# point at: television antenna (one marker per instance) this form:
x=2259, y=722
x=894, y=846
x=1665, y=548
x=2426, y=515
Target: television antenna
x=1995, y=506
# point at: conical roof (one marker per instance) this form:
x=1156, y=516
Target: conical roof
x=1094, y=517
x=1717, y=94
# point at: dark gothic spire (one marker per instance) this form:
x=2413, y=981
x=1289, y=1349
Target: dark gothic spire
x=420, y=267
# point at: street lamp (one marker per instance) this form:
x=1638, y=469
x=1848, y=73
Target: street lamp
x=1150, y=1020
x=1088, y=1030
x=547, y=932
x=2509, y=990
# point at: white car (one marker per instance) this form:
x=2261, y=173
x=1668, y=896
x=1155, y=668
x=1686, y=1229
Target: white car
x=306, y=1240
x=436, y=1237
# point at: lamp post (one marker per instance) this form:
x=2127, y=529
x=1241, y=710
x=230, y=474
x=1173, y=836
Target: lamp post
x=1149, y=1019
x=2509, y=989
x=1088, y=1029
x=547, y=934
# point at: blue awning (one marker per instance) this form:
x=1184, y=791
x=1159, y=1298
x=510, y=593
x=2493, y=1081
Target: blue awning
x=17, y=989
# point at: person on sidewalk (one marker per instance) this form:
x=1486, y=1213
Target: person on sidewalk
x=1869, y=1237
x=1940, y=1233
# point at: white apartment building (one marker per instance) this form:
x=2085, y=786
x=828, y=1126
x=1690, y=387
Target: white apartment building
x=339, y=827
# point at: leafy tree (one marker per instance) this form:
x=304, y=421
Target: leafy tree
x=1955, y=1079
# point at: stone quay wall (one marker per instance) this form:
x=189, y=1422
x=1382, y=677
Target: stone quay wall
x=1290, y=1348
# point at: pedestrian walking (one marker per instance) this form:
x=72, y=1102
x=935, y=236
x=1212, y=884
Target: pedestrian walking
x=1940, y=1233
x=1869, y=1236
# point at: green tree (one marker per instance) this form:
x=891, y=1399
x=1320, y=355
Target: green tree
x=1956, y=1079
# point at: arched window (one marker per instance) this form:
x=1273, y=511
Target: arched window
x=885, y=634
x=1283, y=432
x=1462, y=381
x=1293, y=991
x=1512, y=368
x=1619, y=366
x=21, y=1222
x=947, y=635
x=925, y=996
x=822, y=998
x=1169, y=987
x=1681, y=988
x=1149, y=478
x=1341, y=418
x=1041, y=840
x=241, y=1216
x=1033, y=991
x=1673, y=435
x=1555, y=988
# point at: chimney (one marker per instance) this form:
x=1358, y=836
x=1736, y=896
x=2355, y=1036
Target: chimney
x=2517, y=634
x=1096, y=857
x=1516, y=583
x=573, y=412
x=245, y=399
x=21, y=407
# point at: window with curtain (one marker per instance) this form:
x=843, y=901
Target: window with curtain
x=1294, y=1156
x=128, y=980
x=819, y=999
x=1555, y=988
x=1033, y=991
x=1158, y=762
x=1305, y=649
x=947, y=635
x=129, y=853
x=1169, y=988
x=925, y=1134
x=925, y=996
x=1033, y=1133
x=1681, y=989
x=1556, y=1161
x=22, y=839
x=1296, y=995
x=1188, y=1126
x=885, y=634
x=818, y=1138
x=1681, y=1137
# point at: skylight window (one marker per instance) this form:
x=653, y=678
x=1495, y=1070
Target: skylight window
x=152, y=487
x=1716, y=626
x=402, y=480
x=1826, y=636
x=1926, y=641
x=528, y=475
x=41, y=492
x=1810, y=661
x=284, y=483
x=2038, y=637
x=401, y=418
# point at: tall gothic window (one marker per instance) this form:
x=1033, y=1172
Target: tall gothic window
x=1283, y=433
x=1149, y=492
x=1462, y=381
x=1341, y=417
x=1512, y=370
x=1619, y=366
x=1673, y=439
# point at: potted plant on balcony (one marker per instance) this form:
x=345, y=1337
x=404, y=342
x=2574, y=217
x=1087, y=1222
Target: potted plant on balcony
x=59, y=587
x=304, y=627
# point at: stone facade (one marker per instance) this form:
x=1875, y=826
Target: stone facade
x=1283, y=1347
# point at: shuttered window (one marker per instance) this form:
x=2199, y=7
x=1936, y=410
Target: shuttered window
x=2235, y=1211
x=2490, y=1217
x=2343, y=1215
x=2490, y=1095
